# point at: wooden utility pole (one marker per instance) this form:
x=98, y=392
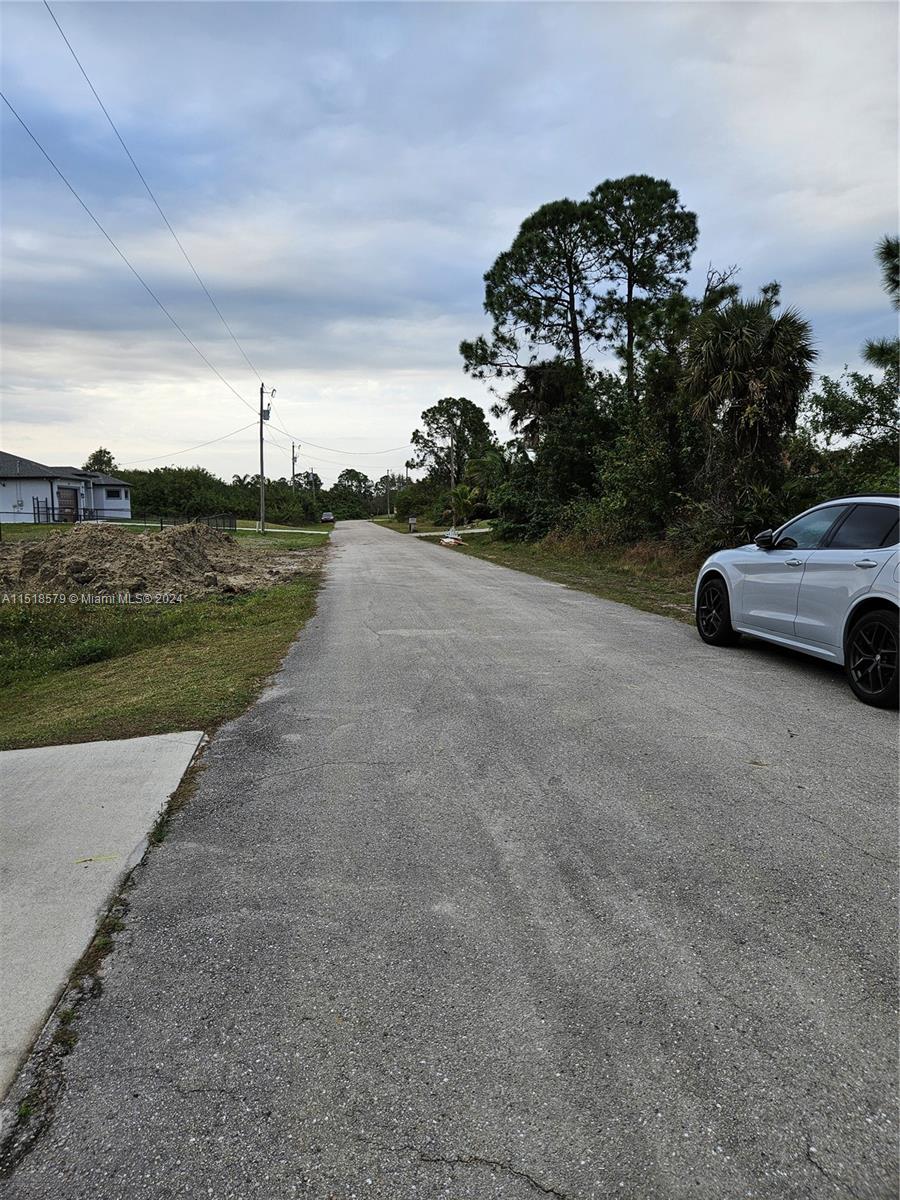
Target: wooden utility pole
x=453, y=475
x=264, y=414
x=293, y=470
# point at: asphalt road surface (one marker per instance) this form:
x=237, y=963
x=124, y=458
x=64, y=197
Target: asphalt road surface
x=503, y=890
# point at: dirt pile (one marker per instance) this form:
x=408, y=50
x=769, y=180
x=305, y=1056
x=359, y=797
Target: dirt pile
x=187, y=559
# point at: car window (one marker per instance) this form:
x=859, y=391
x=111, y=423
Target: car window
x=806, y=532
x=866, y=528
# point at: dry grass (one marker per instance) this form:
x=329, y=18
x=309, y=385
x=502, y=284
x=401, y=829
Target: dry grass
x=648, y=576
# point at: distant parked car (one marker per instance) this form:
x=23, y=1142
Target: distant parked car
x=327, y=519
x=825, y=583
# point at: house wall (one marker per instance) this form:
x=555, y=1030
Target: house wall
x=111, y=507
x=15, y=498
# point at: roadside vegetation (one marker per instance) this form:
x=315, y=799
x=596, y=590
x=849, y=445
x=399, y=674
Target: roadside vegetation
x=422, y=525
x=86, y=672
x=710, y=425
x=647, y=576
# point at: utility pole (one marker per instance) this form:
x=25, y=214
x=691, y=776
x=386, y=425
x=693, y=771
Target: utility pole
x=264, y=414
x=293, y=470
x=453, y=474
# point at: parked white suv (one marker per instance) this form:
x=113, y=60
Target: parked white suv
x=825, y=583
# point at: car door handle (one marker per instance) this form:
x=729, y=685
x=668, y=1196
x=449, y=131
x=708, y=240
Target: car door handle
x=793, y=562
x=865, y=562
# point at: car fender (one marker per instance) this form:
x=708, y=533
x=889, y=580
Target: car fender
x=885, y=587
x=722, y=564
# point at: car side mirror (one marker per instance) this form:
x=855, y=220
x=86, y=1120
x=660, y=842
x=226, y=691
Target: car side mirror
x=765, y=540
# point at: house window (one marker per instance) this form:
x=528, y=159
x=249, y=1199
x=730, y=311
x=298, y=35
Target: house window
x=114, y=493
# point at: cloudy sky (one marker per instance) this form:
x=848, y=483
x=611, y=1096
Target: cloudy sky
x=342, y=174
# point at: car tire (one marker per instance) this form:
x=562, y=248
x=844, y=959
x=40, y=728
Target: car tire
x=713, y=613
x=871, y=658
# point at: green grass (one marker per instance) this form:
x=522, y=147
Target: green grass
x=645, y=576
x=27, y=533
x=276, y=541
x=85, y=673
x=422, y=526
x=251, y=525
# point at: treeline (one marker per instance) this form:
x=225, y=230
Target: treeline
x=640, y=410
x=194, y=491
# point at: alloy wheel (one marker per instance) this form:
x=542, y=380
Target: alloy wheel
x=873, y=656
x=711, y=610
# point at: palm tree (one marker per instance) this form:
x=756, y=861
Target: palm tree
x=884, y=352
x=746, y=372
x=487, y=471
x=545, y=389
x=463, y=500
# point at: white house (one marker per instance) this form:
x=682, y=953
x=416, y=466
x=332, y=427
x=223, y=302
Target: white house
x=33, y=492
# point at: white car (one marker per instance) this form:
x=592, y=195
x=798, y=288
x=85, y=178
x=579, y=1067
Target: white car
x=825, y=583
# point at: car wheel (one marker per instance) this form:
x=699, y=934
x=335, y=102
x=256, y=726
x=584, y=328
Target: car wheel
x=871, y=658
x=713, y=614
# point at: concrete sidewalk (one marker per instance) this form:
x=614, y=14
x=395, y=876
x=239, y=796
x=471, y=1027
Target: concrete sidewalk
x=73, y=821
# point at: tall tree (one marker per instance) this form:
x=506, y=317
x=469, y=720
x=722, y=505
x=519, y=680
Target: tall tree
x=543, y=392
x=457, y=418
x=648, y=238
x=101, y=460
x=308, y=481
x=540, y=292
x=355, y=482
x=884, y=352
x=747, y=369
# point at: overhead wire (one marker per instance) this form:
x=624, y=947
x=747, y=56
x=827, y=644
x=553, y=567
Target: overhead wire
x=335, y=450
x=175, y=323
x=187, y=257
x=156, y=457
x=150, y=192
x=125, y=258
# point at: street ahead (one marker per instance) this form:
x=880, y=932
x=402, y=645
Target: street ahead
x=502, y=890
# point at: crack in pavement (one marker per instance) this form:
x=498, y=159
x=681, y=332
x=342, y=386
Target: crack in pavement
x=832, y=1179
x=477, y=1160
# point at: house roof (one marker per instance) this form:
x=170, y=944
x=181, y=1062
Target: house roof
x=94, y=476
x=14, y=466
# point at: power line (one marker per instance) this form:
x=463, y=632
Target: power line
x=188, y=449
x=149, y=190
x=333, y=449
x=156, y=299
x=125, y=260
x=187, y=258
x=312, y=458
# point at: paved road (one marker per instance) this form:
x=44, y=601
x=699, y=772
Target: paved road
x=504, y=891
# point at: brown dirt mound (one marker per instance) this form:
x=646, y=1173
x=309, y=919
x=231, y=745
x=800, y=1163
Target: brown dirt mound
x=186, y=559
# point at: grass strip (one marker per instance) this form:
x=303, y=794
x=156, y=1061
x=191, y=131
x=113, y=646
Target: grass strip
x=646, y=576
x=84, y=673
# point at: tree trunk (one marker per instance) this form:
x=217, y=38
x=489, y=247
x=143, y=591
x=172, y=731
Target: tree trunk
x=573, y=325
x=629, y=337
